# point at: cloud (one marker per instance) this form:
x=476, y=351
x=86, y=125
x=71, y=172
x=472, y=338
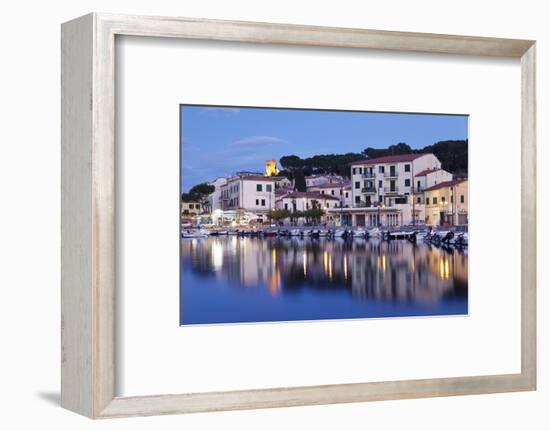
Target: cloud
x=219, y=110
x=257, y=141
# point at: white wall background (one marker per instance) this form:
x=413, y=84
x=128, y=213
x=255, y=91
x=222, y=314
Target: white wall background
x=29, y=220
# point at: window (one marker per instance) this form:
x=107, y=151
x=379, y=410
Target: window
x=461, y=199
x=357, y=184
x=452, y=198
x=380, y=169
x=357, y=199
x=322, y=192
x=435, y=200
x=360, y=170
x=347, y=194
x=286, y=206
x=258, y=187
x=257, y=202
x=407, y=168
x=380, y=198
x=268, y=187
x=418, y=200
x=442, y=199
x=379, y=184
x=332, y=192
x=354, y=170
x=407, y=182
x=327, y=204
x=263, y=202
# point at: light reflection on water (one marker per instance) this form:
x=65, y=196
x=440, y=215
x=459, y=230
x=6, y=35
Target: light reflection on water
x=241, y=279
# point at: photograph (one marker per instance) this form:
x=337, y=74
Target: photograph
x=302, y=214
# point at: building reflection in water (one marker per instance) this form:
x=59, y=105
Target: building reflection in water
x=366, y=269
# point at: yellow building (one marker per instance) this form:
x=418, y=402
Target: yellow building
x=271, y=168
x=190, y=208
x=446, y=203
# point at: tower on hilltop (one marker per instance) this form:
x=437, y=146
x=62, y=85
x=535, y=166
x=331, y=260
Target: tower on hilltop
x=271, y=168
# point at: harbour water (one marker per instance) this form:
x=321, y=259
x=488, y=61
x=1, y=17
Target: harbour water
x=231, y=279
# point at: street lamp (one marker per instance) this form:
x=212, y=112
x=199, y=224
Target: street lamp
x=380, y=207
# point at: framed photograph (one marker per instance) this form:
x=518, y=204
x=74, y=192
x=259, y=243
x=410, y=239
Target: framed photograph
x=265, y=215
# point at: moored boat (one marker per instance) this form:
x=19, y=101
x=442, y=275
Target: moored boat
x=359, y=233
x=194, y=233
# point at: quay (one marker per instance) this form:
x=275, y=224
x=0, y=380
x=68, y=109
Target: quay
x=457, y=237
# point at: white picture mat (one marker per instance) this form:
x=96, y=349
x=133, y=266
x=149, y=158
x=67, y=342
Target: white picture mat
x=156, y=356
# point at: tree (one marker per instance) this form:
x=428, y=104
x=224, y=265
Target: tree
x=202, y=189
x=392, y=150
x=279, y=214
x=198, y=193
x=291, y=162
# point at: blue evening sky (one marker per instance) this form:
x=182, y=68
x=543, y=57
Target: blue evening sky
x=218, y=141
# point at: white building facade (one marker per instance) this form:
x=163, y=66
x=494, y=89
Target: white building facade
x=253, y=193
x=383, y=189
x=214, y=199
x=303, y=201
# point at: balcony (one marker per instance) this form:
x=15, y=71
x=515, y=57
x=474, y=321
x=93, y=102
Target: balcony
x=364, y=204
x=368, y=175
x=390, y=174
x=391, y=190
x=368, y=190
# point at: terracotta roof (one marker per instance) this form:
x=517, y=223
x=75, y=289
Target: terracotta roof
x=427, y=171
x=253, y=178
x=445, y=184
x=391, y=159
x=309, y=195
x=282, y=191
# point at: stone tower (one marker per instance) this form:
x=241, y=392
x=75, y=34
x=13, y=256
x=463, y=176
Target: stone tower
x=271, y=168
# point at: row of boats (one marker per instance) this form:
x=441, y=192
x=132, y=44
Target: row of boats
x=436, y=237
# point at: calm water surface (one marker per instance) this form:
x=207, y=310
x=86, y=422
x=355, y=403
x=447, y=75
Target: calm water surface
x=233, y=279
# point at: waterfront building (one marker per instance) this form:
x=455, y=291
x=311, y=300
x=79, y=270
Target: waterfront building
x=383, y=188
x=248, y=192
x=446, y=203
x=190, y=209
x=303, y=201
x=340, y=190
x=430, y=177
x=214, y=199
